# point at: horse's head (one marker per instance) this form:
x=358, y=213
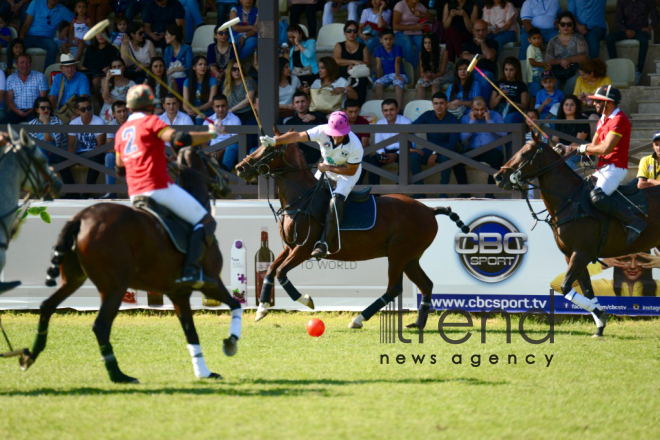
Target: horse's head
x=197, y=166
x=37, y=177
x=262, y=161
x=531, y=161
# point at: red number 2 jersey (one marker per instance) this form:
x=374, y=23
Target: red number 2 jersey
x=143, y=153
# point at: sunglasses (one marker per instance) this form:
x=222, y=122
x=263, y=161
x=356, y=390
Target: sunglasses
x=44, y=108
x=85, y=109
x=223, y=33
x=141, y=33
x=566, y=23
x=351, y=31
x=235, y=69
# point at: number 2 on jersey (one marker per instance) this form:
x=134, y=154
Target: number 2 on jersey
x=128, y=136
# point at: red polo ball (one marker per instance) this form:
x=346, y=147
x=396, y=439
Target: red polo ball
x=315, y=327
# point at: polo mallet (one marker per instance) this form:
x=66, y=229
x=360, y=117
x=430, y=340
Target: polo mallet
x=228, y=25
x=11, y=352
x=473, y=66
x=98, y=28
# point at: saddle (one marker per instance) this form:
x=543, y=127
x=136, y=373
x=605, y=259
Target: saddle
x=178, y=230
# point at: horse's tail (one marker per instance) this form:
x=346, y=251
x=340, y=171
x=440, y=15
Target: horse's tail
x=452, y=215
x=64, y=244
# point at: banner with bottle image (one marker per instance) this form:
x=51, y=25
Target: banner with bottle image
x=503, y=262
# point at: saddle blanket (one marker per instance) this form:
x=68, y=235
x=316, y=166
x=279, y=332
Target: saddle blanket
x=359, y=216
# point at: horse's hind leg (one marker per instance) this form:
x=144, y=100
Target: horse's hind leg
x=394, y=289
x=220, y=293
x=181, y=303
x=576, y=271
x=417, y=275
x=72, y=278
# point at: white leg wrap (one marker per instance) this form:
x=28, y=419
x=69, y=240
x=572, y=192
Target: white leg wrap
x=235, y=325
x=580, y=300
x=199, y=364
x=359, y=319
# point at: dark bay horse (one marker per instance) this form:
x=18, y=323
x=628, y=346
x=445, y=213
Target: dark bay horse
x=118, y=247
x=404, y=229
x=581, y=240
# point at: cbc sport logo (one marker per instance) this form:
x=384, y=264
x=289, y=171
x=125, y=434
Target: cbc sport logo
x=493, y=249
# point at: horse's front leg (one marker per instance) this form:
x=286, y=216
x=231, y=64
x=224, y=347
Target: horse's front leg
x=577, y=271
x=585, y=284
x=181, y=301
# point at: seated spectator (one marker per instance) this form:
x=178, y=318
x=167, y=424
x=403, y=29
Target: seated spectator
x=374, y=19
x=119, y=116
x=593, y=74
x=246, y=30
x=500, y=17
x=143, y=50
x=98, y=10
x=333, y=6
x=352, y=110
x=566, y=51
x=302, y=55
x=121, y=26
x=462, y=91
x=351, y=53
x=390, y=153
x=536, y=64
x=487, y=51
x=234, y=90
x=329, y=77
x=304, y=117
x=193, y=18
x=549, y=97
x=199, y=90
x=115, y=88
x=158, y=69
x=43, y=109
x=43, y=19
x=172, y=115
x=3, y=86
x=158, y=16
x=512, y=85
x=16, y=47
x=389, y=68
x=23, y=88
x=570, y=109
x=78, y=28
x=649, y=167
x=297, y=7
x=532, y=114
x=410, y=18
x=223, y=7
x=224, y=117
x=435, y=68
x=632, y=23
x=424, y=156
x=590, y=22
x=219, y=53
x=68, y=84
x=289, y=84
x=253, y=139
x=458, y=17
x=96, y=64
x=540, y=14
x=133, y=8
x=5, y=33
x=178, y=56
x=83, y=142
x=481, y=115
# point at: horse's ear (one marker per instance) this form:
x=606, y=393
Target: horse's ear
x=26, y=141
x=276, y=131
x=12, y=134
x=535, y=136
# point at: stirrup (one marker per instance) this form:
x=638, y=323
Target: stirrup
x=196, y=279
x=318, y=251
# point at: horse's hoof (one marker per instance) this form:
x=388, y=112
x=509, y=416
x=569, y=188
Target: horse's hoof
x=413, y=325
x=229, y=346
x=598, y=337
x=308, y=301
x=125, y=379
x=354, y=324
x=261, y=314
x=25, y=361
x=215, y=376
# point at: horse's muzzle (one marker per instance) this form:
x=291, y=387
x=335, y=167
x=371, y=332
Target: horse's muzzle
x=502, y=181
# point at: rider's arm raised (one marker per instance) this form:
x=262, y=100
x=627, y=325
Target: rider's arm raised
x=197, y=137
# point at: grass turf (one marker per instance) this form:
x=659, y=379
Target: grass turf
x=282, y=384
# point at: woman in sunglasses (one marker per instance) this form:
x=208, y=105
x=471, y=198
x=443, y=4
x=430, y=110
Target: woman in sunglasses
x=566, y=51
x=237, y=98
x=44, y=111
x=143, y=50
x=219, y=53
x=352, y=53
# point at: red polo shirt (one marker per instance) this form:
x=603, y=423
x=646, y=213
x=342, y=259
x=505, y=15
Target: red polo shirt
x=618, y=124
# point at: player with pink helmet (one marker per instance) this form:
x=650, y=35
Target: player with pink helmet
x=342, y=155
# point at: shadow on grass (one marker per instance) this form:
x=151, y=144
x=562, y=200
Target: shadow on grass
x=421, y=381
x=201, y=391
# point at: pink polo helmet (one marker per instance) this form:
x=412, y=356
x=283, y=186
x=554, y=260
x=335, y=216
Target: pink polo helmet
x=338, y=124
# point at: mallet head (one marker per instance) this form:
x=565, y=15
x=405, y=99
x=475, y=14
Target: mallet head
x=229, y=23
x=472, y=64
x=97, y=29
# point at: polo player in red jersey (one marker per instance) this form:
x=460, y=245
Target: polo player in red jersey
x=611, y=144
x=140, y=147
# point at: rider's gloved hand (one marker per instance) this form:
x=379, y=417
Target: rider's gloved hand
x=267, y=141
x=216, y=129
x=582, y=149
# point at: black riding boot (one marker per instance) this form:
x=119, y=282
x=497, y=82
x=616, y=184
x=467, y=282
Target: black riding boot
x=611, y=206
x=332, y=222
x=192, y=274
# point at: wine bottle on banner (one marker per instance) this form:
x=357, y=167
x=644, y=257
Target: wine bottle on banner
x=262, y=261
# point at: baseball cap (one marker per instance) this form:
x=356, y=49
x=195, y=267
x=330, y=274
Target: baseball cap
x=607, y=93
x=547, y=74
x=656, y=136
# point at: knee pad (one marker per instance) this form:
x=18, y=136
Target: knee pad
x=597, y=195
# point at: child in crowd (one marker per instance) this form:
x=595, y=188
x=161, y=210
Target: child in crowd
x=121, y=25
x=373, y=21
x=534, y=115
x=436, y=70
x=389, y=66
x=535, y=65
x=5, y=34
x=79, y=27
x=548, y=97
x=16, y=47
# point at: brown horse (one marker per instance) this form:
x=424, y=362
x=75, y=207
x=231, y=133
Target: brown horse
x=404, y=229
x=580, y=238
x=117, y=248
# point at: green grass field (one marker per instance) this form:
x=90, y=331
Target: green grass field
x=283, y=384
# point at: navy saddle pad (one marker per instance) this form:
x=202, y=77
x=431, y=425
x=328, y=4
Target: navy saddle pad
x=359, y=216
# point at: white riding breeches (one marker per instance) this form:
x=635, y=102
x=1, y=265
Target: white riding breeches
x=344, y=184
x=609, y=178
x=177, y=200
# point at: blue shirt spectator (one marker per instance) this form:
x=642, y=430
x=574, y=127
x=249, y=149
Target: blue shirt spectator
x=75, y=83
x=41, y=23
x=555, y=98
x=22, y=88
x=388, y=59
x=590, y=15
x=539, y=14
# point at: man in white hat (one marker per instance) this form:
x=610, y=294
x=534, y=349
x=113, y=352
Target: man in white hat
x=68, y=83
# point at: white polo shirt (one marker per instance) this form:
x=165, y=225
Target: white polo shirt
x=230, y=119
x=347, y=153
x=181, y=119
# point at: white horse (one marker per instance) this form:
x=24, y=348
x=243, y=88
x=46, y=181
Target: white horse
x=23, y=167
